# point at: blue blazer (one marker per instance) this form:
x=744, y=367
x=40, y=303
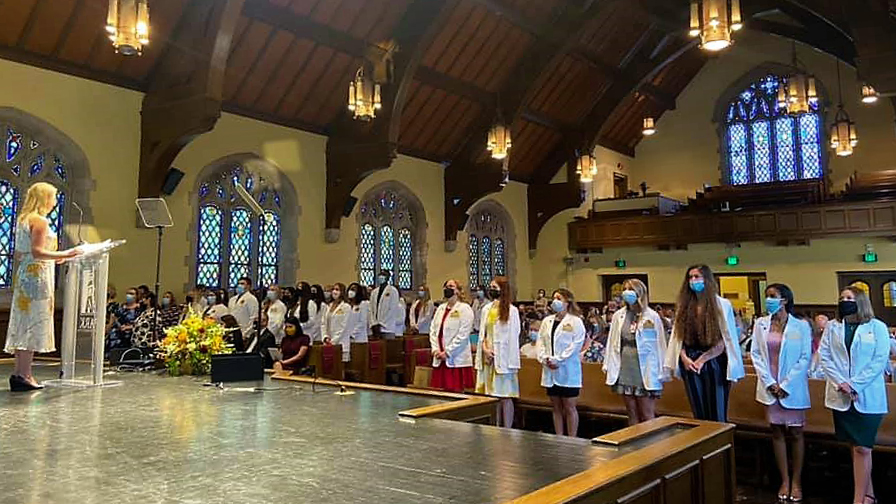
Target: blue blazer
x=794, y=358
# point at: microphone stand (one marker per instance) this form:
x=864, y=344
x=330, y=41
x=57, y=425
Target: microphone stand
x=80, y=221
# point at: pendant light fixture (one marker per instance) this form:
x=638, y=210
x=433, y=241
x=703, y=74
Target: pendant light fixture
x=844, y=137
x=714, y=21
x=499, y=142
x=649, y=128
x=798, y=94
x=586, y=167
x=869, y=94
x=364, y=96
x=127, y=25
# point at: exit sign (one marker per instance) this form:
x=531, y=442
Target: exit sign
x=620, y=263
x=732, y=260
x=869, y=257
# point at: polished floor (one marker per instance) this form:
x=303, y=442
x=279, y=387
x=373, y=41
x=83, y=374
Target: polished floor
x=173, y=440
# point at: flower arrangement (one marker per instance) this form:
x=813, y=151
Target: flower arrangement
x=188, y=347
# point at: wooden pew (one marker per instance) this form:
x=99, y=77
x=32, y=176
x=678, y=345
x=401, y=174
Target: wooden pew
x=870, y=185
x=415, y=351
x=329, y=366
x=395, y=361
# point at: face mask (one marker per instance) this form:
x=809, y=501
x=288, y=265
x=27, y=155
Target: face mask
x=846, y=308
x=630, y=297
x=421, y=294
x=382, y=279
x=166, y=302
x=448, y=292
x=290, y=331
x=557, y=305
x=212, y=300
x=313, y=292
x=272, y=295
x=533, y=335
x=697, y=286
x=351, y=294
x=240, y=289
x=130, y=298
x=328, y=295
x=772, y=305
x=494, y=293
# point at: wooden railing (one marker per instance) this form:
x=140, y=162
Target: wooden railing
x=783, y=225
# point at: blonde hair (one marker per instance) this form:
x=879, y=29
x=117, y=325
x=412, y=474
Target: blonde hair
x=39, y=200
x=866, y=312
x=461, y=294
x=641, y=290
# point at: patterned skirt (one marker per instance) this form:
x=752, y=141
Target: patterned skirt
x=492, y=383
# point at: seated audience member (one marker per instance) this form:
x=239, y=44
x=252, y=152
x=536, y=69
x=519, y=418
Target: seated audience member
x=541, y=302
x=216, y=302
x=120, y=327
x=170, y=312
x=295, y=347
x=144, y=335
x=142, y=292
x=530, y=350
x=196, y=300
x=111, y=303
x=232, y=334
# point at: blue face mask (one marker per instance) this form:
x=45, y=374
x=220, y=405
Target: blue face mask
x=130, y=298
x=240, y=289
x=630, y=297
x=533, y=335
x=557, y=305
x=697, y=285
x=772, y=305
x=272, y=295
x=166, y=302
x=212, y=300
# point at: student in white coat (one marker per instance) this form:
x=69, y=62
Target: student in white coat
x=704, y=349
x=216, y=302
x=276, y=313
x=854, y=351
x=782, y=353
x=244, y=308
x=449, y=339
x=359, y=318
x=633, y=358
x=308, y=309
x=560, y=340
x=421, y=313
x=478, y=304
x=335, y=328
x=498, y=358
x=386, y=312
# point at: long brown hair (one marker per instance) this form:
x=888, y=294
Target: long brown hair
x=571, y=306
x=342, y=293
x=866, y=312
x=505, y=298
x=691, y=328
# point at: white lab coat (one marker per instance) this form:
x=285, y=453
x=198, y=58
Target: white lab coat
x=561, y=348
x=277, y=319
x=732, y=346
x=505, y=341
x=216, y=312
x=478, y=305
x=862, y=367
x=311, y=328
x=359, y=322
x=456, y=336
x=650, y=340
x=387, y=311
x=794, y=358
x=424, y=321
x=244, y=309
x=336, y=329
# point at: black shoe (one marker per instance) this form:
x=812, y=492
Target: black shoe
x=18, y=384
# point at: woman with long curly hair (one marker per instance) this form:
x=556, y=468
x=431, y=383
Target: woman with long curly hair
x=704, y=349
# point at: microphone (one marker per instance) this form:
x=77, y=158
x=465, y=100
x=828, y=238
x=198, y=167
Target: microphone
x=80, y=221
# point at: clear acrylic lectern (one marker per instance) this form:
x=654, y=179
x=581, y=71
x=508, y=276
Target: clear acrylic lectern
x=84, y=312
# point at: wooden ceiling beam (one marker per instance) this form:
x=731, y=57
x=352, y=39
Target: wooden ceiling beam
x=58, y=65
x=185, y=96
x=453, y=85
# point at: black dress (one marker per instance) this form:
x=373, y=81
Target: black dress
x=707, y=391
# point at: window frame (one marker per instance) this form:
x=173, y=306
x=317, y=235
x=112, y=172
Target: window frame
x=489, y=226
x=391, y=207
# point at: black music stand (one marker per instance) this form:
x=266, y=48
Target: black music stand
x=154, y=213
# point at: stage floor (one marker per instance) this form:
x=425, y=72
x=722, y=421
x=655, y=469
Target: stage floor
x=160, y=439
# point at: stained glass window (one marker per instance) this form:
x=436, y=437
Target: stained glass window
x=764, y=143
x=232, y=241
x=386, y=238
x=486, y=247
x=28, y=159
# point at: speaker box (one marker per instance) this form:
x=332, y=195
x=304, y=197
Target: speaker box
x=349, y=206
x=172, y=180
x=237, y=367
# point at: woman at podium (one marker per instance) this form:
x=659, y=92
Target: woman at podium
x=31, y=316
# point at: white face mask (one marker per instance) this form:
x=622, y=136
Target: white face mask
x=351, y=294
x=272, y=295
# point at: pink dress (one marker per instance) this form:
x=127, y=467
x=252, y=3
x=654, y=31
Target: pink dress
x=777, y=414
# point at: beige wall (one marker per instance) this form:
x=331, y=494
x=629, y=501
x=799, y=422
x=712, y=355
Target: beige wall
x=104, y=121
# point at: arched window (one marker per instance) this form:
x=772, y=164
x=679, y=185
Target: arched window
x=232, y=241
x=391, y=226
x=488, y=235
x=33, y=151
x=889, y=291
x=763, y=143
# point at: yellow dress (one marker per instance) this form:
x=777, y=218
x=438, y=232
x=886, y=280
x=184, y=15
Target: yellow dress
x=488, y=380
x=31, y=314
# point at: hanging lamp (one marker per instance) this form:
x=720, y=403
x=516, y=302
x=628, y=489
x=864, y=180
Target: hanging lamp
x=364, y=96
x=798, y=94
x=844, y=137
x=127, y=25
x=714, y=21
x=869, y=94
x=649, y=128
x=498, y=141
x=586, y=168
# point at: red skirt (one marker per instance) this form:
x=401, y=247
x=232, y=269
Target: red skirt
x=452, y=379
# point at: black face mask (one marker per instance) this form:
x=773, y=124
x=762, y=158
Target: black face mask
x=449, y=293
x=846, y=308
x=494, y=293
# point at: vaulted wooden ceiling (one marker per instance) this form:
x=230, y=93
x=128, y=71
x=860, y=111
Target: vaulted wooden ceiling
x=291, y=61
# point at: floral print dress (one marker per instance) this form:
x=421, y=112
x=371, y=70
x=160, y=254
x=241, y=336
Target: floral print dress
x=31, y=314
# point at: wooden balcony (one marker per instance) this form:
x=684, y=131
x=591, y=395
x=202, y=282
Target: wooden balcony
x=774, y=225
